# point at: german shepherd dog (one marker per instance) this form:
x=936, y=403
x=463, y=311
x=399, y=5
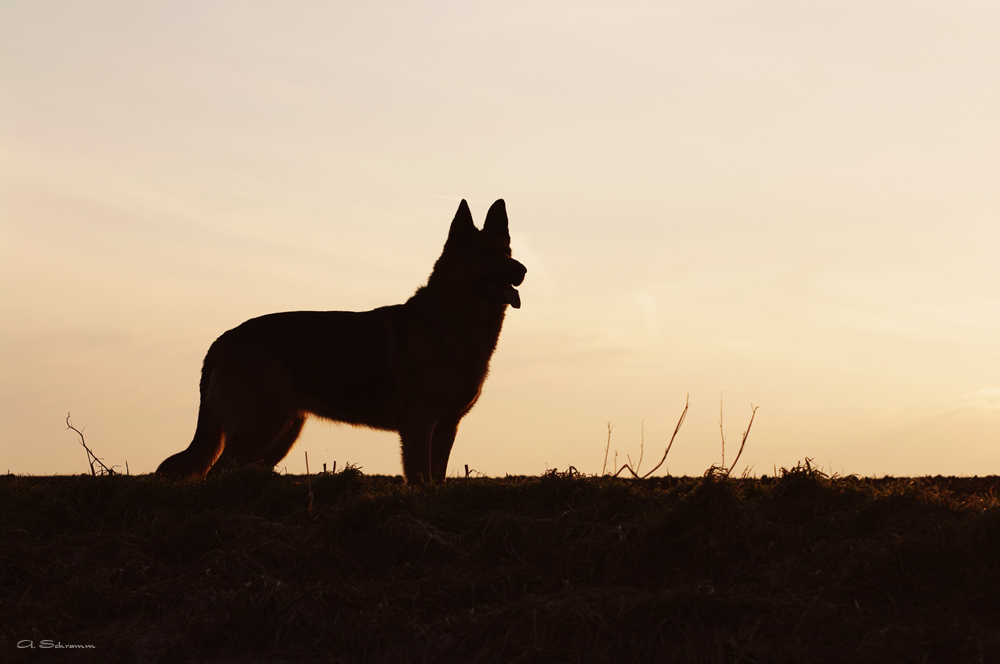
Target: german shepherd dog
x=415, y=368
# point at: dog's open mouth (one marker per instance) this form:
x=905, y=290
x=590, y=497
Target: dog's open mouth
x=513, y=297
x=507, y=294
x=503, y=282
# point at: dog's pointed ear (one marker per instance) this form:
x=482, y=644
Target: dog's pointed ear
x=496, y=219
x=462, y=226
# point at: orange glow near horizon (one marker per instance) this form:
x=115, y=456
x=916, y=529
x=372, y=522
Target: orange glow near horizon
x=794, y=206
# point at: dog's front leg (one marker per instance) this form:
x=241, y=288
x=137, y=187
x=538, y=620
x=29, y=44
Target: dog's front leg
x=415, y=439
x=441, y=443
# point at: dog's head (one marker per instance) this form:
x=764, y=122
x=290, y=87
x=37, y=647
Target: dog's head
x=480, y=259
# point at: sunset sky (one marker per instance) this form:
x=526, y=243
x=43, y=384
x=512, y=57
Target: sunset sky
x=794, y=205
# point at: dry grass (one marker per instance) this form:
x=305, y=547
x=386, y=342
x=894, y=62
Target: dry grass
x=559, y=568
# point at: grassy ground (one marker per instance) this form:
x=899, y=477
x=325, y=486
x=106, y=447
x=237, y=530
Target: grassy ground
x=798, y=568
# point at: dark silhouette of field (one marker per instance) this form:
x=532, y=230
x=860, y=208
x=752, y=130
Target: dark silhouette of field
x=558, y=568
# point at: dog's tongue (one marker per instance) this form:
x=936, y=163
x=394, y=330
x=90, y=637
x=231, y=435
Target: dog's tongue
x=513, y=297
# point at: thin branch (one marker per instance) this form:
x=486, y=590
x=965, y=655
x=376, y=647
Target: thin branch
x=604, y=468
x=91, y=457
x=746, y=433
x=623, y=468
x=722, y=432
x=309, y=484
x=634, y=471
x=687, y=403
x=642, y=444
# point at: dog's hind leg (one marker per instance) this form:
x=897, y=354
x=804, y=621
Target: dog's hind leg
x=244, y=448
x=278, y=450
x=269, y=458
x=194, y=462
x=253, y=396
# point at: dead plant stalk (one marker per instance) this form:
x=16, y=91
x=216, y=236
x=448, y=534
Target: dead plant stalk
x=634, y=472
x=91, y=457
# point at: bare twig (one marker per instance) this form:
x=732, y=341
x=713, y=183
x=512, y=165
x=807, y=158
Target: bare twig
x=625, y=467
x=604, y=468
x=687, y=403
x=469, y=472
x=746, y=433
x=91, y=457
x=309, y=484
x=722, y=432
x=634, y=471
x=642, y=444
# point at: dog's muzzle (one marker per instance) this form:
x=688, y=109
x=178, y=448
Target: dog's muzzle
x=515, y=275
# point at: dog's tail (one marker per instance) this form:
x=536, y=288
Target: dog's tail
x=205, y=448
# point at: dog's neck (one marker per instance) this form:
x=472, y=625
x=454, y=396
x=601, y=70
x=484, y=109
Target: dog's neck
x=463, y=314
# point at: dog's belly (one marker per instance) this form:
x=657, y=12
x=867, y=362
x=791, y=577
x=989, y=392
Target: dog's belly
x=382, y=414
